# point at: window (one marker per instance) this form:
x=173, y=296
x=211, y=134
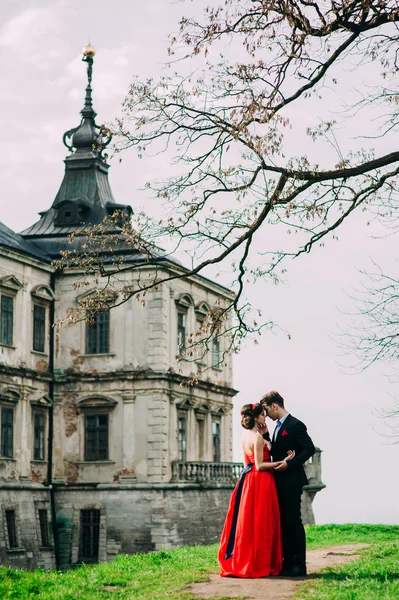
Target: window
x=89, y=535
x=6, y=432
x=216, y=440
x=44, y=528
x=39, y=328
x=182, y=439
x=11, y=529
x=38, y=435
x=215, y=351
x=96, y=437
x=181, y=333
x=6, y=320
x=97, y=334
x=201, y=438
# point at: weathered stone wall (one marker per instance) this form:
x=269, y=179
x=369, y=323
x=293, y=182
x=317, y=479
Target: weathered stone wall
x=143, y=409
x=134, y=518
x=26, y=501
x=24, y=377
x=142, y=337
x=29, y=284
x=143, y=518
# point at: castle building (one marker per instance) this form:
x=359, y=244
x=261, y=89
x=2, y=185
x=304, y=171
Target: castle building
x=103, y=449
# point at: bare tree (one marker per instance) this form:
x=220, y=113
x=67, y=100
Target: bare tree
x=373, y=332
x=246, y=72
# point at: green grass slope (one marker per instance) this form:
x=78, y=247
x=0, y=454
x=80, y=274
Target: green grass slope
x=167, y=574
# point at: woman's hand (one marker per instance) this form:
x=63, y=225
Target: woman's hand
x=290, y=454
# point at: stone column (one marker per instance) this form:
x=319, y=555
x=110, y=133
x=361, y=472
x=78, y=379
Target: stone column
x=128, y=440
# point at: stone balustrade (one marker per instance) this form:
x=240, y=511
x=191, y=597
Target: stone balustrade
x=206, y=472
x=223, y=472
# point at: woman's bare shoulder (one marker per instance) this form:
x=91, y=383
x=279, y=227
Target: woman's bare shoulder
x=259, y=440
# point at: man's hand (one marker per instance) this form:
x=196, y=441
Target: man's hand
x=262, y=429
x=282, y=467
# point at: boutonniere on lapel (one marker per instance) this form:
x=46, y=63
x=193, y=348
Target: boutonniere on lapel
x=284, y=432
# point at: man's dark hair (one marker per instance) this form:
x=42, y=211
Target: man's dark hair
x=272, y=397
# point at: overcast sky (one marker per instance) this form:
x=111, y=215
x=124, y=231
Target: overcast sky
x=42, y=83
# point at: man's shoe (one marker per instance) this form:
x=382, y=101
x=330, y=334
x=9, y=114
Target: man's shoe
x=294, y=572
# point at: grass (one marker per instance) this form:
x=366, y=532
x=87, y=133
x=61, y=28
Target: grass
x=322, y=536
x=142, y=576
x=374, y=577
x=167, y=574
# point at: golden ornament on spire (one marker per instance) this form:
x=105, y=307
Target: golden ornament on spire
x=89, y=50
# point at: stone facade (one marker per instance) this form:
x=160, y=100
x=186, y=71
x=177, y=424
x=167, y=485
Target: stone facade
x=103, y=448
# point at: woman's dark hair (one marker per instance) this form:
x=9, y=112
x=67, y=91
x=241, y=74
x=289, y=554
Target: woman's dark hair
x=249, y=412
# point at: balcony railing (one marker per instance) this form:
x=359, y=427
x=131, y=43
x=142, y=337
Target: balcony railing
x=229, y=472
x=206, y=472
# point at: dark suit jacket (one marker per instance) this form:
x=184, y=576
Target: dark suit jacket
x=292, y=436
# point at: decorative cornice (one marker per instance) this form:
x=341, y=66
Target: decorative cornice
x=41, y=400
x=185, y=301
x=43, y=291
x=202, y=309
x=11, y=282
x=96, y=401
x=11, y=394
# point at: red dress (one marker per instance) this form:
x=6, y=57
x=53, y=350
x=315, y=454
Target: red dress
x=256, y=548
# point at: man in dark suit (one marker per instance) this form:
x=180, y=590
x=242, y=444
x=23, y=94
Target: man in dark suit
x=289, y=434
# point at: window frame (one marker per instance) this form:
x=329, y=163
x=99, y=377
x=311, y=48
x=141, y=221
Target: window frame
x=96, y=527
x=216, y=436
x=42, y=506
x=201, y=429
x=181, y=332
x=96, y=414
x=3, y=407
x=9, y=296
x=216, y=361
x=39, y=412
x=182, y=441
x=42, y=334
x=16, y=533
x=12, y=534
x=44, y=526
x=95, y=404
x=184, y=308
x=94, y=330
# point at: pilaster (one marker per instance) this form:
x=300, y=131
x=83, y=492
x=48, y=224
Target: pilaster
x=24, y=460
x=58, y=441
x=128, y=440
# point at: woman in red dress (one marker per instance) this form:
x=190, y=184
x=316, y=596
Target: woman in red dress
x=251, y=544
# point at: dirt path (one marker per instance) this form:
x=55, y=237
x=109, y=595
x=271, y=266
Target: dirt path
x=274, y=588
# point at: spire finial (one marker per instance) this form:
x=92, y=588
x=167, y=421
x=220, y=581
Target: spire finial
x=88, y=54
x=85, y=138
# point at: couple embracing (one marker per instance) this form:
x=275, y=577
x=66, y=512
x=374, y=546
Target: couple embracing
x=263, y=533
